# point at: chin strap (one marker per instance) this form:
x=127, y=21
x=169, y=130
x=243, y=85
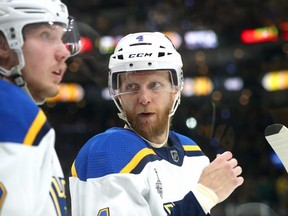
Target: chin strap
x=19, y=81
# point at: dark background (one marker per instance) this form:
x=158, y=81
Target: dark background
x=236, y=122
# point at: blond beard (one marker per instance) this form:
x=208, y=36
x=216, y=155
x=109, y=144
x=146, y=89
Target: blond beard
x=148, y=129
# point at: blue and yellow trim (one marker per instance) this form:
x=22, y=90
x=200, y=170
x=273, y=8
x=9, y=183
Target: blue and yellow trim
x=137, y=159
x=35, y=128
x=57, y=193
x=3, y=194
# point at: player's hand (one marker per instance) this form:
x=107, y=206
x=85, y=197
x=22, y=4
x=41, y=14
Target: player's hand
x=222, y=175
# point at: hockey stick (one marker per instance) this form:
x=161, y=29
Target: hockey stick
x=222, y=136
x=277, y=137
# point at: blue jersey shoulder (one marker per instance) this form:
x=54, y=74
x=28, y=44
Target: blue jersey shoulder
x=184, y=140
x=110, y=152
x=190, y=147
x=17, y=114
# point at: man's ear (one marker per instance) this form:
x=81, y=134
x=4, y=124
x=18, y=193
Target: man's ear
x=4, y=48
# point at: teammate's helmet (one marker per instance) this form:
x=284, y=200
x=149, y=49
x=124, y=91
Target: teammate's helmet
x=16, y=14
x=142, y=52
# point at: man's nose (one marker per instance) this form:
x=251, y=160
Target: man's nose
x=144, y=96
x=62, y=53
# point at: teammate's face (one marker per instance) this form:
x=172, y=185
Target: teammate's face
x=147, y=98
x=45, y=56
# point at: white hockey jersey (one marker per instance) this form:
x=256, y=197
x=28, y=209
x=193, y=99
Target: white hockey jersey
x=31, y=178
x=118, y=173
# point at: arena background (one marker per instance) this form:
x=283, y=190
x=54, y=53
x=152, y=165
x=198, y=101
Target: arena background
x=235, y=67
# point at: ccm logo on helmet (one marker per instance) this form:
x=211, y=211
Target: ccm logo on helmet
x=136, y=55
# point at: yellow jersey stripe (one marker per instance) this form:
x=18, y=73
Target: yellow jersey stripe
x=191, y=148
x=35, y=128
x=73, y=170
x=136, y=159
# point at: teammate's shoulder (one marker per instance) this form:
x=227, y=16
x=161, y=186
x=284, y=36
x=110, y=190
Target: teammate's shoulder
x=15, y=100
x=19, y=111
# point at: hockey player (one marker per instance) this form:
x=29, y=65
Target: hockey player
x=32, y=64
x=145, y=168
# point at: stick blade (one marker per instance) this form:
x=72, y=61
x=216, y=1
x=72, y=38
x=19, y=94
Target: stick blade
x=277, y=136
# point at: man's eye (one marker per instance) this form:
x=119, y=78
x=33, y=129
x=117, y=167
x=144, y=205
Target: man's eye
x=45, y=35
x=131, y=87
x=155, y=85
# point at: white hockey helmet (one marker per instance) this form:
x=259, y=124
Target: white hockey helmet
x=145, y=51
x=16, y=14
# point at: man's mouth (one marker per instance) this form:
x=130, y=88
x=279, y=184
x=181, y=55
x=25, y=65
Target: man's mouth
x=146, y=114
x=57, y=72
